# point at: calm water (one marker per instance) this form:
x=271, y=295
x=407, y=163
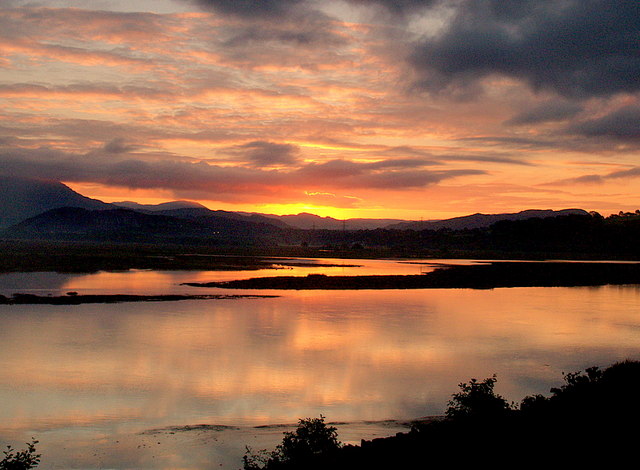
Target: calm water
x=350, y=355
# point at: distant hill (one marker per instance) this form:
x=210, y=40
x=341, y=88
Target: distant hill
x=21, y=198
x=164, y=206
x=194, y=210
x=202, y=213
x=38, y=209
x=308, y=221
x=482, y=220
x=73, y=223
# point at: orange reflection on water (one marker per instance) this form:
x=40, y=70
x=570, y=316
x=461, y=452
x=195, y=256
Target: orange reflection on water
x=346, y=354
x=134, y=280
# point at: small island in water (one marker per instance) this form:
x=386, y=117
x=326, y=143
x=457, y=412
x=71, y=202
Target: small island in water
x=73, y=299
x=478, y=276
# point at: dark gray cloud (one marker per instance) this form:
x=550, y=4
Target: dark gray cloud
x=485, y=159
x=261, y=34
x=431, y=159
x=253, y=8
x=301, y=30
x=623, y=124
x=119, y=145
x=263, y=153
x=249, y=8
x=300, y=38
x=515, y=142
x=589, y=179
x=340, y=168
x=177, y=175
x=551, y=111
x=187, y=178
x=379, y=175
x=630, y=173
x=401, y=163
x=598, y=179
x=399, y=6
x=577, y=48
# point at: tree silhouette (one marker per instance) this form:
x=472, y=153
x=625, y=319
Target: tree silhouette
x=477, y=399
x=312, y=442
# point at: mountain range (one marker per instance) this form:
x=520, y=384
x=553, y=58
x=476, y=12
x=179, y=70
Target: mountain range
x=120, y=224
x=49, y=209
x=482, y=220
x=21, y=198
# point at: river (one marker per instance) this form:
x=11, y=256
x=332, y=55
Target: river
x=113, y=385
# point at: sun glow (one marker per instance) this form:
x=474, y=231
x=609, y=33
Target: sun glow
x=287, y=209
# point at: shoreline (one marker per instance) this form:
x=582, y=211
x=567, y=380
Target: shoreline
x=187, y=446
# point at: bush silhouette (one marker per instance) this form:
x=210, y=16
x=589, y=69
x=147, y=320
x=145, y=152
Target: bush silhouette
x=588, y=421
x=477, y=399
x=21, y=459
x=312, y=442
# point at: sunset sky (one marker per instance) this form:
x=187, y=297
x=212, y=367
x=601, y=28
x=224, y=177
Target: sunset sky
x=348, y=108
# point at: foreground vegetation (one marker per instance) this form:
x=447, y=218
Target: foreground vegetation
x=20, y=459
x=591, y=419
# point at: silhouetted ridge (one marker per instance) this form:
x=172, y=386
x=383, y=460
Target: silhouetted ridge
x=23, y=198
x=72, y=223
x=202, y=213
x=307, y=221
x=483, y=220
x=159, y=207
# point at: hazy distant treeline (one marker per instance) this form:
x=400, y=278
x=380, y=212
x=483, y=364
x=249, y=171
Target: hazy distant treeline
x=591, y=236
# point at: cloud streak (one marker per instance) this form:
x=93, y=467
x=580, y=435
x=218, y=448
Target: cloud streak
x=262, y=153
x=552, y=111
x=623, y=123
x=630, y=173
x=112, y=166
x=250, y=8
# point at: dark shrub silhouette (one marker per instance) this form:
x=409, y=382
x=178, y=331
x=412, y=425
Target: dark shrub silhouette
x=589, y=421
x=21, y=459
x=477, y=399
x=313, y=443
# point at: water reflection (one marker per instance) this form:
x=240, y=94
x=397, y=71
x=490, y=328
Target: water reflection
x=35, y=283
x=349, y=355
x=138, y=281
